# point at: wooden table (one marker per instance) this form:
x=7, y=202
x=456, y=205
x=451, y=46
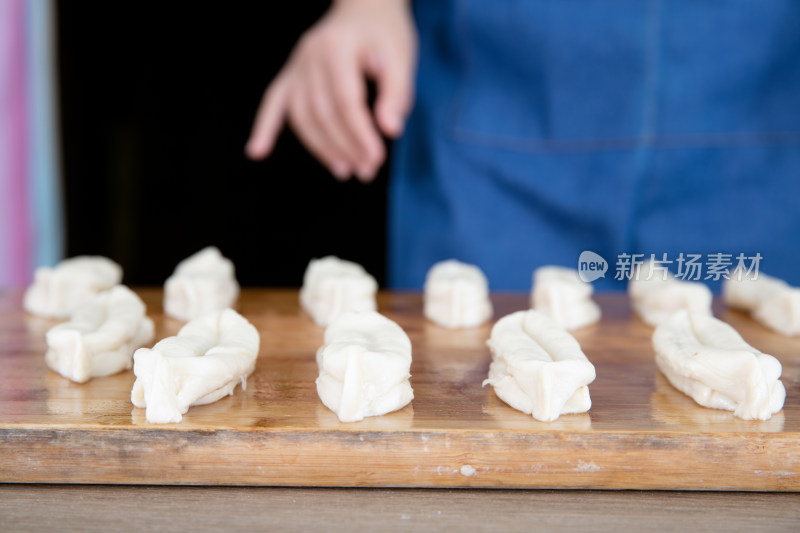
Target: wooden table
x=640, y=433
x=107, y=508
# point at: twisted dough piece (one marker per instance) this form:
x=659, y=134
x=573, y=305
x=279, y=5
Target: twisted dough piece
x=537, y=367
x=201, y=283
x=204, y=362
x=771, y=301
x=332, y=286
x=57, y=292
x=364, y=366
x=559, y=293
x=656, y=294
x=708, y=360
x=457, y=295
x=100, y=337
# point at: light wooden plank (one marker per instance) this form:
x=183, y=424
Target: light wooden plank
x=640, y=433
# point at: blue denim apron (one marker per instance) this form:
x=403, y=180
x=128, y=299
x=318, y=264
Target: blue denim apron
x=546, y=128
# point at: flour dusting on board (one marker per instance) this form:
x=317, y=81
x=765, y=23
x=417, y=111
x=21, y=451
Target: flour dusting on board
x=586, y=467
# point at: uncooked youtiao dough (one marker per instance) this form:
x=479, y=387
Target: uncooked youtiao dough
x=201, y=283
x=364, y=366
x=57, y=291
x=100, y=337
x=538, y=367
x=771, y=301
x=332, y=286
x=457, y=295
x=206, y=360
x=559, y=293
x=708, y=360
x=656, y=294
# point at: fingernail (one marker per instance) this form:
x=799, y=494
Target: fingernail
x=340, y=170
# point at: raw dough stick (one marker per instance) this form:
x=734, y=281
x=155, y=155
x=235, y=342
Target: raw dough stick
x=100, y=337
x=559, y=293
x=537, y=367
x=771, y=301
x=457, y=295
x=57, y=291
x=202, y=283
x=332, y=286
x=364, y=366
x=709, y=361
x=204, y=362
x=656, y=294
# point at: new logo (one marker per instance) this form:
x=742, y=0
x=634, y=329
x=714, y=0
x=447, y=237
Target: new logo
x=591, y=266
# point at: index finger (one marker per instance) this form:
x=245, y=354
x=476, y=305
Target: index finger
x=269, y=120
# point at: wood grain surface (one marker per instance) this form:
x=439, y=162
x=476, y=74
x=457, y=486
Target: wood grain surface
x=90, y=508
x=640, y=433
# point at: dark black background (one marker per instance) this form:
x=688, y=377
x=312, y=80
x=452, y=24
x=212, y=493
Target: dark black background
x=157, y=100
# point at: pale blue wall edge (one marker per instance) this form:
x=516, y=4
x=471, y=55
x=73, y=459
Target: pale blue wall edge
x=46, y=197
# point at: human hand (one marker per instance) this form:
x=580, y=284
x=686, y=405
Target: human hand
x=321, y=90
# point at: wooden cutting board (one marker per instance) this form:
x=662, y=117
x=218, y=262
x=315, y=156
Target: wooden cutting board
x=640, y=433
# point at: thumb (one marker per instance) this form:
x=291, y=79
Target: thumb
x=394, y=77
